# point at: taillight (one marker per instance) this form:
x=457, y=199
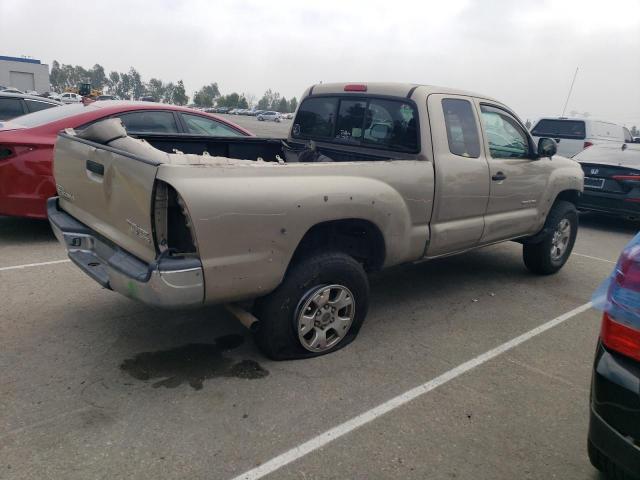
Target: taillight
x=619, y=337
x=587, y=144
x=621, y=320
x=626, y=178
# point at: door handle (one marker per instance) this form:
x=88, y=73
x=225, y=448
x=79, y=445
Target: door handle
x=499, y=176
x=95, y=167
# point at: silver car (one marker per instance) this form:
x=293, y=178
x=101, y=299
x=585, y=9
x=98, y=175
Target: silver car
x=269, y=117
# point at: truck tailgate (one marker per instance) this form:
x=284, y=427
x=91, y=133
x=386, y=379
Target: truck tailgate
x=109, y=189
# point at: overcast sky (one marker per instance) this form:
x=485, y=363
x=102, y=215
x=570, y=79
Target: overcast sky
x=521, y=52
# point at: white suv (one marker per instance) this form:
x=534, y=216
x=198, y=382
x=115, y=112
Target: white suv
x=575, y=134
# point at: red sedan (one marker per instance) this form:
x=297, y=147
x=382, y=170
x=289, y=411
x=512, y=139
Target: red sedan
x=26, y=143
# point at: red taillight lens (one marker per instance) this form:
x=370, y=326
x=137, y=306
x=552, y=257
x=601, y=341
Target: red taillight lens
x=587, y=144
x=355, y=87
x=621, y=320
x=619, y=337
x=627, y=280
x=627, y=178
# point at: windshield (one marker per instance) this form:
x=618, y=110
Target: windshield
x=43, y=117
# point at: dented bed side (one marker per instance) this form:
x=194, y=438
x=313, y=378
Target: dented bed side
x=246, y=218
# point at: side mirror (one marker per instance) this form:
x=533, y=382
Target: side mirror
x=547, y=148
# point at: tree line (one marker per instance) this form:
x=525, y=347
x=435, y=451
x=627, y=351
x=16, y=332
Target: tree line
x=131, y=85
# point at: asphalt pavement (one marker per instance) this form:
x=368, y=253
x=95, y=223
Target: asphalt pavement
x=95, y=386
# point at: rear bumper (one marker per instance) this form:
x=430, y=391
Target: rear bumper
x=168, y=282
x=614, y=424
x=611, y=203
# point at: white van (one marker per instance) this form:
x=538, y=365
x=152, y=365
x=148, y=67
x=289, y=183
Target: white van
x=575, y=134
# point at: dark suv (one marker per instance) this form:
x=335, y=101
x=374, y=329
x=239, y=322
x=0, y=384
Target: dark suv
x=16, y=104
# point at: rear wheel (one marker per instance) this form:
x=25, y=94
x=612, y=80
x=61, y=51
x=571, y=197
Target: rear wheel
x=551, y=253
x=606, y=466
x=318, y=308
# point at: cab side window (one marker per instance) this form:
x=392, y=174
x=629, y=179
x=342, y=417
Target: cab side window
x=505, y=136
x=462, y=130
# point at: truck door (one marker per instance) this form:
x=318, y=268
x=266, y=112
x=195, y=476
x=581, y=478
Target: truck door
x=518, y=178
x=461, y=173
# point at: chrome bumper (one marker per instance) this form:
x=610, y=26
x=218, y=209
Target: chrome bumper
x=168, y=282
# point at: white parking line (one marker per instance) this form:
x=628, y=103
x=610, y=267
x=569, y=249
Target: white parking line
x=28, y=265
x=350, y=425
x=593, y=258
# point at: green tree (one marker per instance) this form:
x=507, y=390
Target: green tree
x=155, y=88
x=179, y=95
x=283, y=105
x=167, y=95
x=265, y=102
x=293, y=104
x=206, y=95
x=98, y=77
x=113, y=80
x=136, y=85
x=55, y=77
x=275, y=101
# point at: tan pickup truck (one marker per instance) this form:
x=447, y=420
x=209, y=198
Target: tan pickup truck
x=371, y=175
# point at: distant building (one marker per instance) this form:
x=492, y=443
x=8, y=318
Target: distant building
x=25, y=74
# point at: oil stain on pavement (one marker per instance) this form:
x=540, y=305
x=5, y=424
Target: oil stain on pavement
x=193, y=364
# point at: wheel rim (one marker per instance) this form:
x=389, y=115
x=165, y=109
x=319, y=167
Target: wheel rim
x=325, y=317
x=560, y=239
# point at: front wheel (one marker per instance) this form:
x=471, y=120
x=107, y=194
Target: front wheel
x=552, y=252
x=317, y=309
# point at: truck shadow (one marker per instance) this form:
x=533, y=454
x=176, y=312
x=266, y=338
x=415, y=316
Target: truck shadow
x=606, y=223
x=19, y=230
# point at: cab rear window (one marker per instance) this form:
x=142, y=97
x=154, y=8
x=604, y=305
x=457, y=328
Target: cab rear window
x=571, y=129
x=359, y=121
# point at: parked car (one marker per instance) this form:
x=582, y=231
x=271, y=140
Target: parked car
x=148, y=98
x=70, y=97
x=614, y=424
x=26, y=143
x=223, y=109
x=575, y=134
x=13, y=105
x=50, y=95
x=365, y=180
x=269, y=117
x=12, y=90
x=611, y=179
x=106, y=97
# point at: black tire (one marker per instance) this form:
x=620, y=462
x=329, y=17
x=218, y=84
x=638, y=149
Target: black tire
x=537, y=256
x=606, y=466
x=277, y=334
